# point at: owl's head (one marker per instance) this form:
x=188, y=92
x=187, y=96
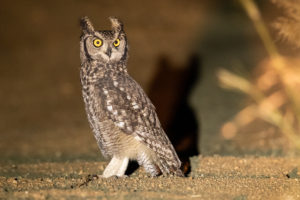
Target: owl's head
x=108, y=46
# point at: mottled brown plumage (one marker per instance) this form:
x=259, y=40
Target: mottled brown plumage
x=121, y=115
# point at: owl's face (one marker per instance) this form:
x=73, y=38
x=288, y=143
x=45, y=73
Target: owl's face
x=103, y=46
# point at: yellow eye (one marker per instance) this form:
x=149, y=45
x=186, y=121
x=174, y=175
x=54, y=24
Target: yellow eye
x=97, y=43
x=116, y=42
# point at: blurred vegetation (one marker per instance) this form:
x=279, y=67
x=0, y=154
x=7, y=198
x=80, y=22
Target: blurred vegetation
x=275, y=89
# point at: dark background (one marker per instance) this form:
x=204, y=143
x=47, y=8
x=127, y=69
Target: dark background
x=176, y=47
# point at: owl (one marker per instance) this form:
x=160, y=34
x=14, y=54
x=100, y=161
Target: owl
x=122, y=117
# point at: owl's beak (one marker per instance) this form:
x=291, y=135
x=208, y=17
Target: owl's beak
x=108, y=52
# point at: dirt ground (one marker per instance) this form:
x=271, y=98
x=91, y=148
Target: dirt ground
x=211, y=178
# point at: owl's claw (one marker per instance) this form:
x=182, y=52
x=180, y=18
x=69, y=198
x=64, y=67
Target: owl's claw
x=113, y=176
x=124, y=176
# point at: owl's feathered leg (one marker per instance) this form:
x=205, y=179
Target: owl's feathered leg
x=116, y=167
x=123, y=167
x=145, y=161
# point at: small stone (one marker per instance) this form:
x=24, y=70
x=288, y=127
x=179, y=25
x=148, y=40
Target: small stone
x=48, y=180
x=293, y=174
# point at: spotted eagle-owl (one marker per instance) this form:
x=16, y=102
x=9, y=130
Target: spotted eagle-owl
x=120, y=114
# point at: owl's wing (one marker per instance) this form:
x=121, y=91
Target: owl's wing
x=131, y=110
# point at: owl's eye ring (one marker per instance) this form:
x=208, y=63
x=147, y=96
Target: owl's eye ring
x=97, y=42
x=116, y=42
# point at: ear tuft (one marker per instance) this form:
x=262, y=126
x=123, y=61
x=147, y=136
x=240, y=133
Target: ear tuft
x=116, y=24
x=86, y=25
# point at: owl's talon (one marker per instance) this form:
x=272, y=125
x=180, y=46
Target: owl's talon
x=113, y=176
x=124, y=176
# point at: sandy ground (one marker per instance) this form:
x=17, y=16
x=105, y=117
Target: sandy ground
x=211, y=178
